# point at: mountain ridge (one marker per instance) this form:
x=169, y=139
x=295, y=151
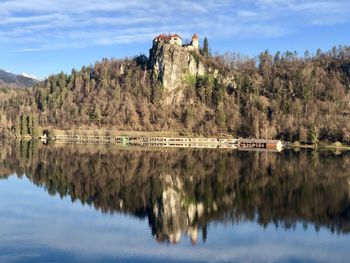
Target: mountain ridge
x=16, y=80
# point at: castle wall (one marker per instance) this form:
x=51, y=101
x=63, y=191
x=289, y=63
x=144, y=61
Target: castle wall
x=176, y=41
x=195, y=43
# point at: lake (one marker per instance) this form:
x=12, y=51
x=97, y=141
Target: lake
x=97, y=203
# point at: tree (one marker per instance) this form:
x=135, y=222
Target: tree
x=220, y=116
x=29, y=123
x=318, y=52
x=34, y=125
x=41, y=100
x=142, y=61
x=97, y=116
x=314, y=134
x=205, y=47
x=306, y=54
x=277, y=57
x=24, y=125
x=265, y=64
x=218, y=93
x=302, y=134
x=18, y=127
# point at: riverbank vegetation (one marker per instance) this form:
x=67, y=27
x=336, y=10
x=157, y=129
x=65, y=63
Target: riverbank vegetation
x=286, y=96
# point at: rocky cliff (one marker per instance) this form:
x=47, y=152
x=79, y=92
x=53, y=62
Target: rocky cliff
x=172, y=64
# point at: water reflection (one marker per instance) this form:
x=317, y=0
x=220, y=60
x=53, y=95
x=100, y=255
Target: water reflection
x=181, y=191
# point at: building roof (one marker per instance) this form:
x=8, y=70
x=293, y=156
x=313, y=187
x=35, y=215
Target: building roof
x=195, y=36
x=161, y=36
x=167, y=37
x=175, y=35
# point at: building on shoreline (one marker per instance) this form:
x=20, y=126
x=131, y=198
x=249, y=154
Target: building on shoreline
x=260, y=144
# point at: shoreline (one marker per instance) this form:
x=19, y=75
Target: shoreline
x=110, y=136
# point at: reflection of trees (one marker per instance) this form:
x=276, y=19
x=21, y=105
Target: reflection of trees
x=182, y=190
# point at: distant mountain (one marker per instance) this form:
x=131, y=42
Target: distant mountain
x=23, y=80
x=24, y=74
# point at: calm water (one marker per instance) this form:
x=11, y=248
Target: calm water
x=92, y=203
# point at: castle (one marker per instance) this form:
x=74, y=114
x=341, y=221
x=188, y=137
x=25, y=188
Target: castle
x=175, y=39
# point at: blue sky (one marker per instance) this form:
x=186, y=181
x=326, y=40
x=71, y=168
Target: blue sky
x=41, y=37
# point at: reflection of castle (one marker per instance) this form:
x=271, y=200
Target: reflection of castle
x=175, y=39
x=169, y=228
x=172, y=215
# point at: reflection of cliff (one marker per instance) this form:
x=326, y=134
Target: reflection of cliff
x=172, y=214
x=182, y=190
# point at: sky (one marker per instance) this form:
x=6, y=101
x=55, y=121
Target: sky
x=42, y=37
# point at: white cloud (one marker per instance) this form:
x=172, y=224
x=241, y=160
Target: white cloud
x=29, y=50
x=37, y=24
x=246, y=13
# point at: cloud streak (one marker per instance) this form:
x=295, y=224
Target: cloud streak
x=55, y=24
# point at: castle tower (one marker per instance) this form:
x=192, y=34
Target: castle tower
x=195, y=42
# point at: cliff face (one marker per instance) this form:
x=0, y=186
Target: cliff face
x=171, y=64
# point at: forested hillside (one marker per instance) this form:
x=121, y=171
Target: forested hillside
x=274, y=96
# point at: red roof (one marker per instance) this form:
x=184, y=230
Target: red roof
x=195, y=36
x=175, y=35
x=167, y=37
x=161, y=36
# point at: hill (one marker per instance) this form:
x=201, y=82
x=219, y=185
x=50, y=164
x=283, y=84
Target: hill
x=10, y=79
x=279, y=96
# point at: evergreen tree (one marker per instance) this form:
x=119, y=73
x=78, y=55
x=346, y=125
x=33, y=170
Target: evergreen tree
x=29, y=123
x=306, y=54
x=220, y=117
x=41, y=101
x=205, y=47
x=34, y=126
x=24, y=125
